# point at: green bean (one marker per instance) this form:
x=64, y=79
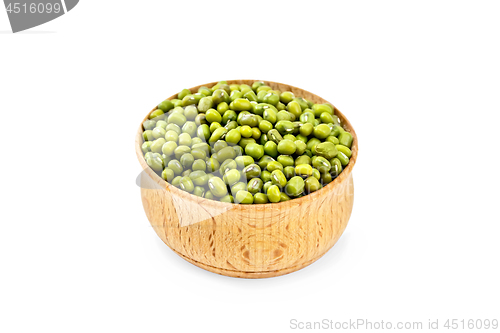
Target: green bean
x=218, y=145
x=190, y=128
x=326, y=149
x=190, y=112
x=225, y=154
x=199, y=177
x=275, y=136
x=322, y=131
x=286, y=97
x=177, y=119
x=235, y=94
x=311, y=184
x=156, y=146
x=322, y=108
x=244, y=197
x=245, y=118
x=146, y=146
x=227, y=198
x=263, y=139
x=289, y=172
x=185, y=139
x=265, y=176
x=304, y=170
x=187, y=160
x=271, y=149
x=344, y=160
x=243, y=161
x=271, y=98
x=155, y=162
x=287, y=147
x=265, y=126
x=200, y=119
x=242, y=104
x=217, y=134
x=337, y=130
x=347, y=152
x=199, y=191
x=322, y=164
x=217, y=186
x=228, y=116
x=312, y=143
x=270, y=115
x=260, y=198
x=255, y=185
x=214, y=126
x=304, y=159
x=295, y=186
x=157, y=114
x=245, y=141
x=278, y=178
x=252, y=171
x=250, y=95
x=213, y=116
x=285, y=115
x=240, y=186
x=300, y=147
x=171, y=136
x=316, y=174
x=274, y=193
x=294, y=108
x=232, y=176
x=212, y=165
x=149, y=124
x=336, y=167
x=346, y=139
x=284, y=126
x=176, y=181
x=286, y=160
x=158, y=132
x=264, y=144
x=168, y=174
x=264, y=160
x=284, y=197
x=274, y=165
x=256, y=133
x=231, y=125
x=326, y=178
x=238, y=150
x=186, y=184
x=227, y=165
x=181, y=150
x=233, y=136
x=254, y=150
x=219, y=96
x=222, y=108
x=160, y=123
x=333, y=140
x=307, y=118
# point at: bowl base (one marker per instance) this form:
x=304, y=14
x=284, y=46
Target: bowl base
x=247, y=275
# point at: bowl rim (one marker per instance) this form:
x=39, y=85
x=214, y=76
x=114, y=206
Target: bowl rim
x=164, y=185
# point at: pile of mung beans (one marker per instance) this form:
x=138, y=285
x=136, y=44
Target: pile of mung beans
x=245, y=144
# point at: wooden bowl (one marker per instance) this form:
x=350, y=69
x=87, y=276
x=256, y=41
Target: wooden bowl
x=250, y=241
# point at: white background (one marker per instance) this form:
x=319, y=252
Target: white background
x=419, y=81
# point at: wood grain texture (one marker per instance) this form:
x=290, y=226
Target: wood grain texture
x=250, y=241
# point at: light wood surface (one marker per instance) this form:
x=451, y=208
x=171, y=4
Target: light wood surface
x=250, y=241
